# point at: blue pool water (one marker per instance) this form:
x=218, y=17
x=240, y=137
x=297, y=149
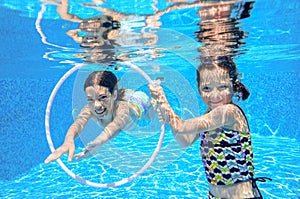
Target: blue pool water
x=31, y=66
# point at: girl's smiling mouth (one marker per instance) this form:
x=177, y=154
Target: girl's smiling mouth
x=215, y=102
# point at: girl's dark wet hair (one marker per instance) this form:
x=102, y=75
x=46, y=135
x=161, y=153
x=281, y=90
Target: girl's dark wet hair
x=106, y=79
x=226, y=63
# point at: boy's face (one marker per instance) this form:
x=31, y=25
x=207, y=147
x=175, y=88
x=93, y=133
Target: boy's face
x=215, y=87
x=100, y=100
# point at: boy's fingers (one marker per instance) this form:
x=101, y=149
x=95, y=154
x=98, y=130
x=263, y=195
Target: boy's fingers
x=48, y=160
x=52, y=157
x=71, y=154
x=78, y=156
x=82, y=155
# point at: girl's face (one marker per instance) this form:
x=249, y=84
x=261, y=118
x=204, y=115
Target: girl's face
x=100, y=100
x=215, y=87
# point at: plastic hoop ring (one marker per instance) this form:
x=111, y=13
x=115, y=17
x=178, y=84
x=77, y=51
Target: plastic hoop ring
x=64, y=167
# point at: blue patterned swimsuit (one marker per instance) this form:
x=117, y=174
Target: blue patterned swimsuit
x=227, y=156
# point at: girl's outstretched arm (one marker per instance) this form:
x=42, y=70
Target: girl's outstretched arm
x=222, y=116
x=164, y=112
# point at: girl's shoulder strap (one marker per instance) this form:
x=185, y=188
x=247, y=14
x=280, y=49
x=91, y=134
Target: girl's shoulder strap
x=243, y=114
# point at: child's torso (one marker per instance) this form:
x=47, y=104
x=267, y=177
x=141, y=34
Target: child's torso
x=227, y=156
x=135, y=104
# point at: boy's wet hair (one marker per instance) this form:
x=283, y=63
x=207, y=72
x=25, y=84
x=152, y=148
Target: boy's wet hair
x=102, y=78
x=226, y=63
x=106, y=79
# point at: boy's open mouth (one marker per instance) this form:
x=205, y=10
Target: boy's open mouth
x=100, y=111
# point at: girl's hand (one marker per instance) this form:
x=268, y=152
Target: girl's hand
x=162, y=115
x=67, y=147
x=157, y=92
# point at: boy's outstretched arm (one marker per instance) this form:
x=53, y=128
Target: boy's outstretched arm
x=74, y=130
x=121, y=119
x=67, y=147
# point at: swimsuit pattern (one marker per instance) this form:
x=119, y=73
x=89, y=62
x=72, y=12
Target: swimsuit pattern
x=139, y=100
x=227, y=156
x=140, y=103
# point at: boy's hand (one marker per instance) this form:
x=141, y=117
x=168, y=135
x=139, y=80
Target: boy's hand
x=88, y=151
x=65, y=148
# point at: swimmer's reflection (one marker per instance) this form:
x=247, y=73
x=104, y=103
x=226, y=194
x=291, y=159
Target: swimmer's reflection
x=93, y=32
x=219, y=30
x=102, y=35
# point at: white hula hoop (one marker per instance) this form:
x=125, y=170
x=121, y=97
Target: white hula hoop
x=64, y=167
